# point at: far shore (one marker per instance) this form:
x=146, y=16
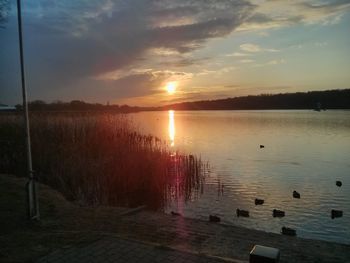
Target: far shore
x=337, y=99
x=64, y=224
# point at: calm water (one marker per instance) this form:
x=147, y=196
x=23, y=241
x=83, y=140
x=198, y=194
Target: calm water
x=305, y=151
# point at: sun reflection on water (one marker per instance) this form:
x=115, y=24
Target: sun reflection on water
x=171, y=128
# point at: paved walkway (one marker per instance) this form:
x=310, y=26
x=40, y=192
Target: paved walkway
x=111, y=249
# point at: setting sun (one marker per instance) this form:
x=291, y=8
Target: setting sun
x=171, y=87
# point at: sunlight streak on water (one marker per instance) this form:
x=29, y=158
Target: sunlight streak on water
x=171, y=128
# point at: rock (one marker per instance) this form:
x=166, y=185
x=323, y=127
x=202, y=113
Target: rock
x=288, y=231
x=262, y=146
x=243, y=213
x=213, y=218
x=278, y=213
x=296, y=194
x=338, y=183
x=259, y=201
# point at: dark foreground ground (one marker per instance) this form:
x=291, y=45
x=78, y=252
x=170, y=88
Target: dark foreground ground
x=69, y=233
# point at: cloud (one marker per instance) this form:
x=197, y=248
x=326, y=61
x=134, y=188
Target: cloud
x=217, y=72
x=250, y=48
x=68, y=42
x=182, y=62
x=142, y=84
x=321, y=44
x=139, y=82
x=276, y=62
x=164, y=52
x=238, y=54
x=253, y=48
x=271, y=62
x=100, y=46
x=274, y=14
x=126, y=87
x=155, y=74
x=246, y=60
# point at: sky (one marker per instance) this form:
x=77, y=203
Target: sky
x=127, y=52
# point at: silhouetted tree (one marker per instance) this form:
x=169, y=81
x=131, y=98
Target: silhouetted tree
x=38, y=105
x=329, y=99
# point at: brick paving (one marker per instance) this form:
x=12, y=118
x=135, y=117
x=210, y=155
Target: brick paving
x=201, y=238
x=113, y=249
x=227, y=241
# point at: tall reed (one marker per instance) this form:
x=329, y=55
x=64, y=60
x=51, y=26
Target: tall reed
x=100, y=159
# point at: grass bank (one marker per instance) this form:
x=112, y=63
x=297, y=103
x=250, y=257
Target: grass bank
x=25, y=241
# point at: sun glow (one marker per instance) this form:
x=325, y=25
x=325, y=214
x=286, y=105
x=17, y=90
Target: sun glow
x=171, y=87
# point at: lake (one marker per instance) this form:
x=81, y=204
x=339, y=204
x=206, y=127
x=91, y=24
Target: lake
x=306, y=151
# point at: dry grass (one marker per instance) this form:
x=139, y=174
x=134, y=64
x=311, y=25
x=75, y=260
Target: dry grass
x=99, y=159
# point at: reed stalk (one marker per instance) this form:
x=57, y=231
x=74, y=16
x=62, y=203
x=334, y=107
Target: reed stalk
x=100, y=159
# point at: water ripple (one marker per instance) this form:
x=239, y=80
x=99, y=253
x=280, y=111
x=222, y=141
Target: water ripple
x=304, y=150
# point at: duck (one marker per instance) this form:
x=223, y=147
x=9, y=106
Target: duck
x=213, y=218
x=338, y=183
x=241, y=212
x=278, y=213
x=336, y=213
x=259, y=201
x=288, y=231
x=296, y=194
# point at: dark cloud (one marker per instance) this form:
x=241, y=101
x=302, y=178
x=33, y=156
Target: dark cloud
x=183, y=62
x=132, y=85
x=188, y=37
x=137, y=85
x=68, y=42
x=127, y=86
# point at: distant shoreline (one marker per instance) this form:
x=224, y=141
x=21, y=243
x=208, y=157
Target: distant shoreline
x=164, y=110
x=313, y=100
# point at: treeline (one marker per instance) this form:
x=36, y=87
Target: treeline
x=77, y=105
x=330, y=99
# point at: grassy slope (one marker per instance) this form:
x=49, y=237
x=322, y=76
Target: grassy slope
x=62, y=223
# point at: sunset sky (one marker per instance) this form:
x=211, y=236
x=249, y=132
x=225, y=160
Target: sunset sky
x=152, y=52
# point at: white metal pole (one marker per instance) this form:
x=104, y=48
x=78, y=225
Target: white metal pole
x=33, y=204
